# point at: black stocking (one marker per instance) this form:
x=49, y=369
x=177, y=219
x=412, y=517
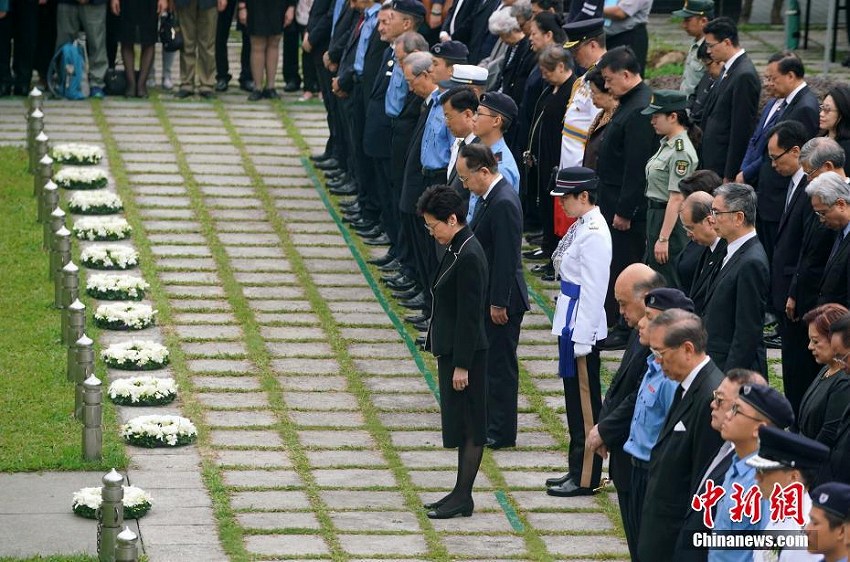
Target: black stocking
x=145, y=69
x=468, y=462
x=128, y=56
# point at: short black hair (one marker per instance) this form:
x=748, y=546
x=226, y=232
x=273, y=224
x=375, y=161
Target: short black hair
x=789, y=134
x=703, y=54
x=701, y=180
x=620, y=59
x=741, y=376
x=478, y=155
x=722, y=28
x=788, y=61
x=841, y=327
x=551, y=22
x=442, y=201
x=594, y=76
x=556, y=5
x=460, y=98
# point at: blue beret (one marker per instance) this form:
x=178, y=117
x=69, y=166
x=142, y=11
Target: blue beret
x=453, y=51
x=501, y=103
x=665, y=298
x=410, y=7
x=770, y=403
x=833, y=497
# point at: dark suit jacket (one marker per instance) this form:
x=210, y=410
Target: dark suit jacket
x=460, y=301
x=482, y=41
x=628, y=143
x=414, y=181
x=684, y=448
x=403, y=127
x=838, y=468
x=734, y=310
x=371, y=63
x=377, y=129
x=341, y=36
x=498, y=227
x=730, y=117
x=464, y=22
x=618, y=408
x=454, y=180
x=516, y=73
x=770, y=186
x=319, y=25
x=697, y=101
x=814, y=253
x=835, y=282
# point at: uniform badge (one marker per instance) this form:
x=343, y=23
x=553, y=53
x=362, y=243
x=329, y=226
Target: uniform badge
x=823, y=498
x=680, y=144
x=390, y=63
x=498, y=156
x=682, y=167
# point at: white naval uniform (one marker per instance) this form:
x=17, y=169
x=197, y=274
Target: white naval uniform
x=587, y=263
x=788, y=525
x=577, y=121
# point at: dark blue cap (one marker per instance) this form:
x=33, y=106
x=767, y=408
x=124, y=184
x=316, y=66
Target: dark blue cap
x=501, y=103
x=833, y=497
x=574, y=180
x=782, y=449
x=770, y=403
x=579, y=31
x=452, y=51
x=410, y=7
x=665, y=298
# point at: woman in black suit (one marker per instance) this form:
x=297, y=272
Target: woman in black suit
x=824, y=402
x=457, y=339
x=835, y=115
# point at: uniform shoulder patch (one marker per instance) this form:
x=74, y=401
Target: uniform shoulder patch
x=682, y=167
x=680, y=144
x=498, y=156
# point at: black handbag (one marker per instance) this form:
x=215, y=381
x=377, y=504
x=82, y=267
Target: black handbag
x=169, y=32
x=116, y=82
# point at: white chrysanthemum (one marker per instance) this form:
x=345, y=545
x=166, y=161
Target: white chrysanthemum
x=134, y=316
x=102, y=228
x=159, y=430
x=142, y=389
x=74, y=177
x=139, y=354
x=76, y=153
x=91, y=497
x=99, y=201
x=109, y=256
x=115, y=286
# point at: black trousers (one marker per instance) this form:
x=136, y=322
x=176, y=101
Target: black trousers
x=222, y=33
x=323, y=79
x=45, y=46
x=628, y=248
x=113, y=25
x=292, y=36
x=19, y=27
x=637, y=38
x=636, y=498
x=503, y=378
x=799, y=368
x=583, y=398
x=364, y=167
x=424, y=256
x=547, y=212
x=410, y=225
x=388, y=199
x=767, y=232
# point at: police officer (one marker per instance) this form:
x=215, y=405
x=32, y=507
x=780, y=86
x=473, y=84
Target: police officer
x=446, y=55
x=583, y=260
x=695, y=14
x=787, y=459
x=830, y=508
x=675, y=159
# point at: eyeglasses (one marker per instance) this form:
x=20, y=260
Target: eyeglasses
x=812, y=172
x=464, y=179
x=736, y=409
x=826, y=109
x=659, y=353
x=842, y=360
x=717, y=398
x=710, y=46
x=432, y=226
x=715, y=212
x=822, y=213
x=490, y=115
x=775, y=158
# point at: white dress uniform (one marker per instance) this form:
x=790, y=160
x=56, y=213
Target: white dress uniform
x=577, y=120
x=788, y=525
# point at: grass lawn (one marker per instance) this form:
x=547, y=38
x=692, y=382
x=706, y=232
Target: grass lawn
x=37, y=428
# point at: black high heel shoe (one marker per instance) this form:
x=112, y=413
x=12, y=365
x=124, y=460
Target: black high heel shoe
x=464, y=510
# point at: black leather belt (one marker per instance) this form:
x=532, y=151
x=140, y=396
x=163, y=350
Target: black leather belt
x=637, y=463
x=432, y=172
x=653, y=204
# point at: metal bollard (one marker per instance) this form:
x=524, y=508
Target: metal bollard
x=127, y=550
x=110, y=516
x=83, y=369
x=93, y=431
x=35, y=100
x=38, y=150
x=70, y=289
x=35, y=125
x=59, y=284
x=60, y=251
x=54, y=223
x=43, y=174
x=76, y=324
x=49, y=200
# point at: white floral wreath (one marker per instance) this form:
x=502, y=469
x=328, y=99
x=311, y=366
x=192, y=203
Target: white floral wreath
x=102, y=228
x=109, y=256
x=124, y=316
x=159, y=431
x=77, y=153
x=136, y=355
x=86, y=502
x=81, y=178
x=116, y=287
x=143, y=391
x=97, y=202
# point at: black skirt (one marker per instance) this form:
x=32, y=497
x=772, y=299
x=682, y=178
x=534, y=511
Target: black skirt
x=265, y=17
x=138, y=22
x=463, y=412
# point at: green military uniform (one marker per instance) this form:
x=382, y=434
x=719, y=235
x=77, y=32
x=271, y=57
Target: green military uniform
x=694, y=69
x=676, y=159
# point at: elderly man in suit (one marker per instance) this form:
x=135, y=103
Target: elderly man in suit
x=830, y=198
x=699, y=224
x=793, y=101
x=686, y=443
x=729, y=116
x=459, y=106
x=736, y=299
x=497, y=223
x=793, y=276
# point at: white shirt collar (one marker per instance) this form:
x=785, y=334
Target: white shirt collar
x=689, y=380
x=469, y=138
x=714, y=244
x=492, y=185
x=728, y=64
x=798, y=177
x=736, y=245
x=790, y=97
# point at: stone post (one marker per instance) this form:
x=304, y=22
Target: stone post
x=76, y=324
x=127, y=550
x=110, y=516
x=54, y=223
x=60, y=253
x=82, y=370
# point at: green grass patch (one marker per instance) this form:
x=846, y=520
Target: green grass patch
x=38, y=431
x=674, y=69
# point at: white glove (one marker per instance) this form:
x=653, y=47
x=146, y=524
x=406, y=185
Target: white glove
x=444, y=36
x=581, y=349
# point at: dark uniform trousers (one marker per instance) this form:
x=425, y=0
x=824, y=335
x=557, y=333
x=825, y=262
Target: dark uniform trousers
x=364, y=167
x=628, y=247
x=387, y=199
x=583, y=398
x=222, y=34
x=332, y=146
x=424, y=250
x=20, y=24
x=503, y=378
x=634, y=504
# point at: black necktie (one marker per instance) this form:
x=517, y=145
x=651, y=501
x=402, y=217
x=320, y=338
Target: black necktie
x=677, y=397
x=838, y=240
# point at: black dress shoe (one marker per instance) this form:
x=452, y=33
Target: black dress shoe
x=420, y=341
x=350, y=206
x=334, y=174
x=291, y=86
x=397, y=277
x=394, y=265
x=569, y=489
x=246, y=85
x=436, y=504
x=417, y=318
x=182, y=94
x=561, y=480
x=382, y=240
x=616, y=340
x=496, y=445
x=329, y=164
x=338, y=181
x=535, y=255
x=207, y=95
x=773, y=342
x=5, y=90
x=369, y=233
x=402, y=291
x=407, y=295
x=352, y=217
x=320, y=157
x=416, y=302
x=222, y=83
x=256, y=95
x=543, y=269
x=532, y=236
x=421, y=326
x=348, y=189
x=382, y=260
x=465, y=510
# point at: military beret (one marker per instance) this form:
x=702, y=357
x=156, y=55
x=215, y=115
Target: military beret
x=782, y=449
x=666, y=101
x=696, y=8
x=466, y=75
x=768, y=402
x=833, y=497
x=665, y=298
x=410, y=7
x=574, y=180
x=579, y=31
x=501, y=103
x=452, y=51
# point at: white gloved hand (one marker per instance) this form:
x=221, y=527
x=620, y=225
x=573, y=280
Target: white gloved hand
x=444, y=36
x=581, y=349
